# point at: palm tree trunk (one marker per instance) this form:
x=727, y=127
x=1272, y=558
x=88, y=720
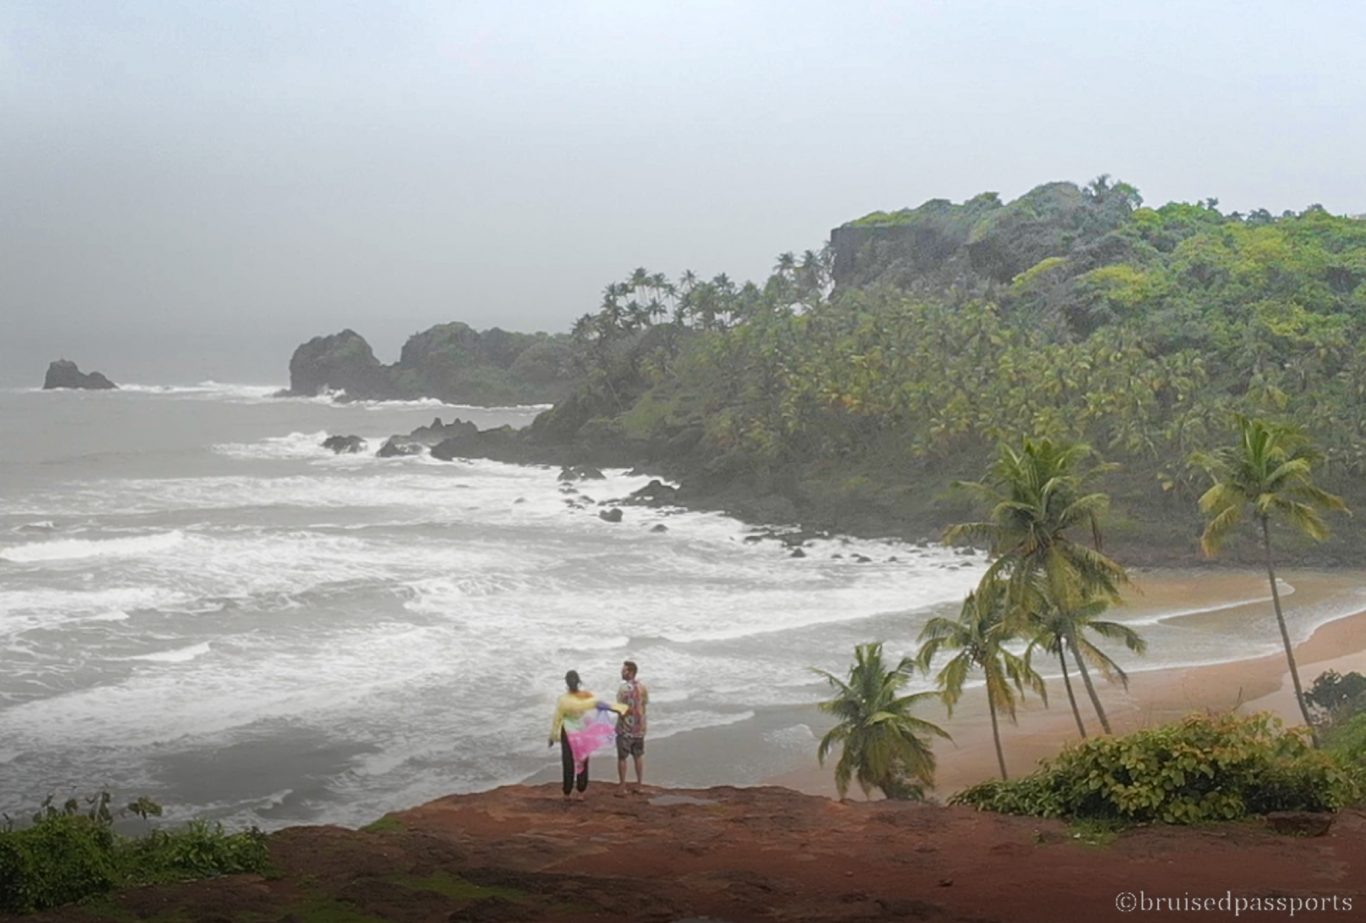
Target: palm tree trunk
x=1067, y=682
x=1285, y=633
x=996, y=733
x=1086, y=680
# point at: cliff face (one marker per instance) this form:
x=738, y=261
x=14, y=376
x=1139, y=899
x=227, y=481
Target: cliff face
x=450, y=362
x=64, y=374
x=744, y=854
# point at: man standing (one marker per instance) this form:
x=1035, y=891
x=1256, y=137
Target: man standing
x=631, y=725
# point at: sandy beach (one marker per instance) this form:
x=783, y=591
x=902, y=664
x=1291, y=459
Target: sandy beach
x=1224, y=599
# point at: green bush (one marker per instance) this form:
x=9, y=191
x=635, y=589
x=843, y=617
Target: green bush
x=1348, y=740
x=67, y=855
x=1336, y=697
x=1203, y=768
x=57, y=860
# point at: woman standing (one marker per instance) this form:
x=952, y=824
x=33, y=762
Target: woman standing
x=582, y=724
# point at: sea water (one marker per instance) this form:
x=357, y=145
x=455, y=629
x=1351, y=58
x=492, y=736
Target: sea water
x=200, y=604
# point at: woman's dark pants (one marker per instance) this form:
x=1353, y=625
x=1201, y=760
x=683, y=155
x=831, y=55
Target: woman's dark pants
x=567, y=762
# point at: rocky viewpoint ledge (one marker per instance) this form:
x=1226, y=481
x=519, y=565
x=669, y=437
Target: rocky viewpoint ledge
x=739, y=855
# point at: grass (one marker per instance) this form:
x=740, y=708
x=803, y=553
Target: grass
x=389, y=823
x=457, y=888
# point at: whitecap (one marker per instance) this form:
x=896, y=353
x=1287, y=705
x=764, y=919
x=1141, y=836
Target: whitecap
x=76, y=549
x=177, y=655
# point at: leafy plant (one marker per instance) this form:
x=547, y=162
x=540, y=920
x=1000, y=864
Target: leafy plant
x=71, y=852
x=882, y=745
x=1203, y=768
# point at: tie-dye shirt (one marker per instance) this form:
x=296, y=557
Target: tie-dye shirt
x=633, y=694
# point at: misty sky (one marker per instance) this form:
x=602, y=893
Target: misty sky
x=190, y=189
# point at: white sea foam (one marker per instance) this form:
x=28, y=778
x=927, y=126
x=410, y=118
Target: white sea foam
x=206, y=390
x=85, y=602
x=72, y=549
x=177, y=655
x=298, y=446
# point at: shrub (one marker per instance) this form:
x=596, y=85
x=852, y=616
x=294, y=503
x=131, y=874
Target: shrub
x=1200, y=769
x=68, y=854
x=1337, y=696
x=57, y=860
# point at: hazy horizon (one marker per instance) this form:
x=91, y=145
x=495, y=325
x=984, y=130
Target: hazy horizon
x=189, y=191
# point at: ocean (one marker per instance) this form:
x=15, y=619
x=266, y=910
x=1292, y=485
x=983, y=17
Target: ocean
x=200, y=604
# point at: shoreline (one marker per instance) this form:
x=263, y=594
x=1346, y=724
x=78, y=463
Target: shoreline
x=767, y=749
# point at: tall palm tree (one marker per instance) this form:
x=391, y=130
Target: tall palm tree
x=1035, y=496
x=883, y=744
x=1269, y=472
x=1054, y=632
x=979, y=636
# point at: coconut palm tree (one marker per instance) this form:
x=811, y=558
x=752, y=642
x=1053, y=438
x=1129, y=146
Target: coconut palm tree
x=1267, y=472
x=979, y=636
x=1053, y=632
x=883, y=744
x=1035, y=497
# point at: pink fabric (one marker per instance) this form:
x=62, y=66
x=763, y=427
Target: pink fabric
x=599, y=729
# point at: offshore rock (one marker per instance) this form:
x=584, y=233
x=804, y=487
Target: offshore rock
x=344, y=445
x=580, y=473
x=339, y=362
x=397, y=446
x=64, y=374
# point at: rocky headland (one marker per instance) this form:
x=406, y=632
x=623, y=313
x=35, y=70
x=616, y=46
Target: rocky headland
x=450, y=362
x=65, y=374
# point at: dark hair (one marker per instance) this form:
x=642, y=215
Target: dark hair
x=571, y=679
x=631, y=666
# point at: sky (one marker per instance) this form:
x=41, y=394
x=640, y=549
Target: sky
x=188, y=190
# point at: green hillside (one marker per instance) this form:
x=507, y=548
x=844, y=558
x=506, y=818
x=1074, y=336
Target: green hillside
x=855, y=384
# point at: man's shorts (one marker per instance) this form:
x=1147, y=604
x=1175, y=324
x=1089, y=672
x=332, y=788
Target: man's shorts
x=630, y=746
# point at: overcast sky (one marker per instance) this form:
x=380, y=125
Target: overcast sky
x=189, y=189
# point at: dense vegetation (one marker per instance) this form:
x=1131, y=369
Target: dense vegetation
x=69, y=853
x=855, y=384
x=1203, y=768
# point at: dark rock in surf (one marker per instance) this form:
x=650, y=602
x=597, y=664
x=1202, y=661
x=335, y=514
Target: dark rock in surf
x=438, y=431
x=64, y=374
x=580, y=473
x=344, y=445
x=339, y=362
x=612, y=515
x=655, y=493
x=399, y=446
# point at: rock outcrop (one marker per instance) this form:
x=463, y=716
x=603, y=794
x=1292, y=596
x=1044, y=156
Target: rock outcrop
x=425, y=437
x=64, y=374
x=340, y=362
x=344, y=445
x=450, y=362
x=521, y=853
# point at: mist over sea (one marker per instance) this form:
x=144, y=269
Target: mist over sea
x=200, y=604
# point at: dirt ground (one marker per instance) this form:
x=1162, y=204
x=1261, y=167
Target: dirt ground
x=754, y=854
